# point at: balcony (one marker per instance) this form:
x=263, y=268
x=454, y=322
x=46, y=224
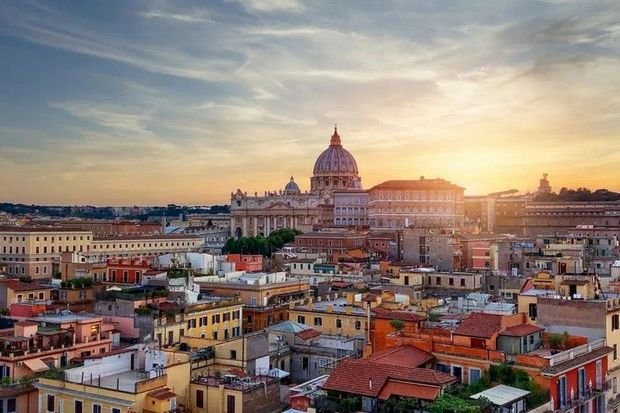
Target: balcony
x=589, y=394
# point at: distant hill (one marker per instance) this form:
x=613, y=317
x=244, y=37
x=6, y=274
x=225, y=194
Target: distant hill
x=579, y=195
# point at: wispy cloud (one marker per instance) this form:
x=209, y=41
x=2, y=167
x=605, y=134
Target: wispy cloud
x=245, y=92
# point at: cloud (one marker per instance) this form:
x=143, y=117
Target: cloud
x=196, y=16
x=196, y=102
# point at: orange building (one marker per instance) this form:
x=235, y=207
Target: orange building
x=247, y=263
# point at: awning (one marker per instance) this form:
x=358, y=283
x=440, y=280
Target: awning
x=280, y=374
x=36, y=365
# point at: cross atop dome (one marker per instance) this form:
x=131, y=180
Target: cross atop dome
x=335, y=141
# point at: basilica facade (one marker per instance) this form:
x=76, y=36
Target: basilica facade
x=335, y=170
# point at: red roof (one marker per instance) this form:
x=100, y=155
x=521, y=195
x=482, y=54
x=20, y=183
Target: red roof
x=370, y=298
x=163, y=394
x=399, y=315
x=521, y=330
x=407, y=356
x=17, y=285
x=366, y=378
x=416, y=391
x=341, y=284
x=308, y=334
x=26, y=323
x=480, y=325
x=420, y=184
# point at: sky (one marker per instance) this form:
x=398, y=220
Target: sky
x=156, y=102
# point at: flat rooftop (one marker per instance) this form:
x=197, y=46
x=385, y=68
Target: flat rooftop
x=338, y=305
x=64, y=318
x=125, y=381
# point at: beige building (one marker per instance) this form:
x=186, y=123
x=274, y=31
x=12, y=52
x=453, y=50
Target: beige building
x=419, y=203
x=143, y=245
x=33, y=252
x=36, y=252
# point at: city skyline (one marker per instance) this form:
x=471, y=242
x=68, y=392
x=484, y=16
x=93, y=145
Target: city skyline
x=179, y=102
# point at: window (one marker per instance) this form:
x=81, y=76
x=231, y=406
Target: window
x=10, y=406
x=562, y=393
x=358, y=325
x=304, y=363
x=233, y=354
x=318, y=321
x=462, y=282
x=450, y=281
x=338, y=323
x=230, y=404
x=615, y=322
x=301, y=319
x=615, y=352
x=438, y=280
x=533, y=311
x=96, y=408
x=474, y=376
x=77, y=406
x=51, y=403
x=581, y=381
x=200, y=396
x=226, y=316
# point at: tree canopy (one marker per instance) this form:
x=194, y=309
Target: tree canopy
x=579, y=195
x=259, y=244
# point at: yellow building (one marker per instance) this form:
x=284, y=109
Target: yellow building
x=231, y=394
x=215, y=320
x=345, y=316
x=145, y=380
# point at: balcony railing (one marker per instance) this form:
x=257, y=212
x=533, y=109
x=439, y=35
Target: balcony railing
x=581, y=399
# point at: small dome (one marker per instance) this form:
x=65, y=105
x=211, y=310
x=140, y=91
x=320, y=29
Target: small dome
x=291, y=187
x=335, y=159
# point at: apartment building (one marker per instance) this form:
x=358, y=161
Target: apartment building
x=140, y=379
x=47, y=341
x=265, y=296
x=35, y=251
x=143, y=245
x=17, y=292
x=419, y=203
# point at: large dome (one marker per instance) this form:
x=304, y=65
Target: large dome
x=335, y=159
x=335, y=169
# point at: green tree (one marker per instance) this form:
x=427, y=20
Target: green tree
x=397, y=325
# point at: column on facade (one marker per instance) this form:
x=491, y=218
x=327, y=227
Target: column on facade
x=245, y=226
x=267, y=226
x=255, y=218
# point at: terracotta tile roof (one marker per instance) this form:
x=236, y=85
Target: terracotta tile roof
x=341, y=284
x=17, y=285
x=576, y=362
x=398, y=315
x=407, y=356
x=416, y=391
x=308, y=334
x=521, y=330
x=26, y=323
x=370, y=298
x=365, y=378
x=480, y=325
x=162, y=394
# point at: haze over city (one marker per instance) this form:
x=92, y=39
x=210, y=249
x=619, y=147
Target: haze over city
x=169, y=101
